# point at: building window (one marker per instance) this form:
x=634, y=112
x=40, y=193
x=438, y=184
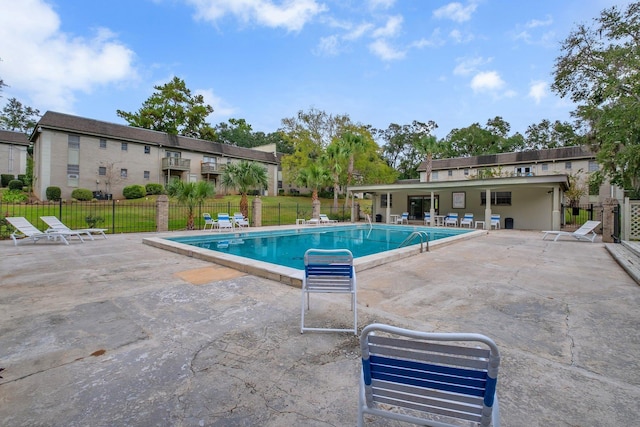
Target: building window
x=523, y=171
x=74, y=142
x=498, y=198
x=103, y=143
x=146, y=174
x=593, y=166
x=567, y=165
x=545, y=167
x=147, y=149
x=450, y=173
x=102, y=170
x=434, y=175
x=124, y=146
x=123, y=173
x=466, y=172
x=383, y=200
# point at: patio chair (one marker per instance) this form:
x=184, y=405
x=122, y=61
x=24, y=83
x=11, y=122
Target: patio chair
x=239, y=220
x=451, y=219
x=427, y=218
x=324, y=219
x=495, y=221
x=430, y=379
x=224, y=222
x=24, y=230
x=403, y=219
x=55, y=224
x=467, y=220
x=209, y=221
x=586, y=232
x=329, y=271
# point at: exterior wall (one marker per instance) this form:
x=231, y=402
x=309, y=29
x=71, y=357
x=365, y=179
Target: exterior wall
x=51, y=153
x=13, y=159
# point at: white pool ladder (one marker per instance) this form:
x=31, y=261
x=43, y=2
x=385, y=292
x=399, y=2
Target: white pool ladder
x=424, y=237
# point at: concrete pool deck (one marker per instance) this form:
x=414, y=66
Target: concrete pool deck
x=115, y=332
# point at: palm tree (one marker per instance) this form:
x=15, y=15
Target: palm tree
x=428, y=145
x=245, y=176
x=313, y=176
x=335, y=157
x=190, y=194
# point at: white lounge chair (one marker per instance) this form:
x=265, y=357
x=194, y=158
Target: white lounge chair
x=27, y=231
x=467, y=220
x=403, y=219
x=324, y=219
x=224, y=222
x=209, y=221
x=239, y=220
x=495, y=221
x=56, y=225
x=586, y=232
x=427, y=218
x=329, y=271
x=451, y=219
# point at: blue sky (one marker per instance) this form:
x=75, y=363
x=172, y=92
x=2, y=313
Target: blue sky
x=379, y=61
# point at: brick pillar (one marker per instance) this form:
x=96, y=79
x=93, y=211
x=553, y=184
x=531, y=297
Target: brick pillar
x=162, y=213
x=257, y=212
x=607, y=219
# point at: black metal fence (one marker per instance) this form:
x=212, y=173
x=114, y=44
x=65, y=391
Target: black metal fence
x=575, y=216
x=134, y=216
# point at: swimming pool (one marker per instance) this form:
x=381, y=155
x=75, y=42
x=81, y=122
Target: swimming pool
x=277, y=252
x=287, y=247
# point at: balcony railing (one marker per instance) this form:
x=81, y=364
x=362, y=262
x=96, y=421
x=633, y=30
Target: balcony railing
x=210, y=168
x=176, y=163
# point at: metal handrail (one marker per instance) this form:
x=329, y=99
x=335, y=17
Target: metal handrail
x=419, y=233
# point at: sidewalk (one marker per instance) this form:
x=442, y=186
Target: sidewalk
x=113, y=332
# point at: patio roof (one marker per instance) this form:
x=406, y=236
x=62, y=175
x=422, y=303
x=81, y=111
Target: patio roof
x=493, y=184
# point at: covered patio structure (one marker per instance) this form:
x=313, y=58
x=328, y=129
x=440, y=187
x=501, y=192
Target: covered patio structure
x=528, y=202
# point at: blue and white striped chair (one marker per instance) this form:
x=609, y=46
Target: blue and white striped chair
x=430, y=379
x=224, y=222
x=329, y=271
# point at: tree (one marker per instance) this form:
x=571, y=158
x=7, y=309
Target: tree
x=476, y=140
x=551, y=135
x=400, y=146
x=174, y=110
x=19, y=118
x=598, y=70
x=245, y=176
x=335, y=158
x=428, y=145
x=190, y=194
x=314, y=176
x=236, y=132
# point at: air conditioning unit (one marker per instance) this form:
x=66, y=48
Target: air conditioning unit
x=73, y=176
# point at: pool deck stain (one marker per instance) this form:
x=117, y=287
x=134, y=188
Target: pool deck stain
x=200, y=276
x=109, y=333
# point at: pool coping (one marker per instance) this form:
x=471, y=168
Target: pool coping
x=287, y=275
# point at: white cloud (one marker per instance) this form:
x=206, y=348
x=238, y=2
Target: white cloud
x=487, y=81
x=50, y=65
x=381, y=4
x=538, y=91
x=468, y=66
x=290, y=14
x=329, y=46
x=384, y=51
x=459, y=37
x=221, y=109
x=456, y=11
x=538, y=23
x=391, y=29
x=358, y=31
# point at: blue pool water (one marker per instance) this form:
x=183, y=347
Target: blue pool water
x=287, y=247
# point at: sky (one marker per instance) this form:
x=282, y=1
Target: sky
x=378, y=61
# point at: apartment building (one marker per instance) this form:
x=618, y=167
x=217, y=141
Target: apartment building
x=13, y=153
x=527, y=187
x=76, y=152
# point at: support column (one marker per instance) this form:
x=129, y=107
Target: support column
x=388, y=212
x=487, y=209
x=555, y=212
x=256, y=205
x=432, y=210
x=162, y=213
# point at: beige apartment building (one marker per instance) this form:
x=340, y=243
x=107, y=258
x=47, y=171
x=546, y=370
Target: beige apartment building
x=13, y=153
x=75, y=152
x=527, y=189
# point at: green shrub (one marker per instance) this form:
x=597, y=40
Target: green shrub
x=15, y=184
x=5, y=178
x=22, y=177
x=53, y=193
x=14, y=196
x=83, y=194
x=154, y=189
x=134, y=192
x=94, y=220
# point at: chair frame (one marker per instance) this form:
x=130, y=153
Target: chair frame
x=427, y=378
x=467, y=219
x=585, y=232
x=25, y=231
x=55, y=225
x=239, y=220
x=403, y=218
x=452, y=218
x=324, y=219
x=224, y=222
x=208, y=220
x=329, y=271
x=495, y=221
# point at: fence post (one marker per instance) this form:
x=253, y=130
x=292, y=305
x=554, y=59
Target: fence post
x=162, y=213
x=608, y=219
x=257, y=211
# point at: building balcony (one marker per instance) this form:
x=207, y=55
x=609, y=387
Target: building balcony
x=176, y=163
x=211, y=168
